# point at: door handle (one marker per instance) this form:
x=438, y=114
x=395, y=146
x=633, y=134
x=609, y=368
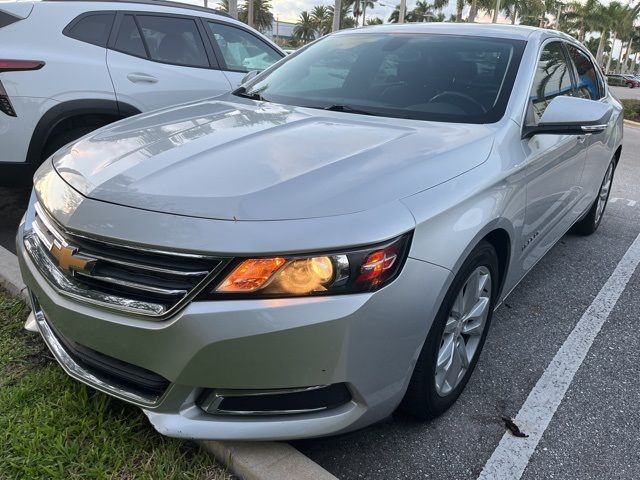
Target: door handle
x=136, y=77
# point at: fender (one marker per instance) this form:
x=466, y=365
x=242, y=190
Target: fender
x=69, y=109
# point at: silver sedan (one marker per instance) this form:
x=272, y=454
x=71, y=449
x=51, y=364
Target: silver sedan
x=327, y=243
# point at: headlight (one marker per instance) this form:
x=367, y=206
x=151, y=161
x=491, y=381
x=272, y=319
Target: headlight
x=360, y=269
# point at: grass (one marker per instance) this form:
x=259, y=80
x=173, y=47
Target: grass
x=631, y=110
x=54, y=427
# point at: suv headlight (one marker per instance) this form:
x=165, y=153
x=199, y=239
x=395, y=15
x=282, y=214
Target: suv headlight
x=361, y=269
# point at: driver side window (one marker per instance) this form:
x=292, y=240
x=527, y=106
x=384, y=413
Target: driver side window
x=551, y=80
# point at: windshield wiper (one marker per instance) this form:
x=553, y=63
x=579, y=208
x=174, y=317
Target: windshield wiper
x=348, y=109
x=242, y=92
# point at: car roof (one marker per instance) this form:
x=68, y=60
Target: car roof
x=157, y=3
x=517, y=32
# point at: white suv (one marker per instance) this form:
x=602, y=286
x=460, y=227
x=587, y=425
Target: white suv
x=69, y=67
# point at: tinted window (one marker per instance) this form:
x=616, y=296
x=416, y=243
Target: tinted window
x=420, y=76
x=93, y=29
x=587, y=78
x=241, y=50
x=129, y=39
x=552, y=78
x=173, y=40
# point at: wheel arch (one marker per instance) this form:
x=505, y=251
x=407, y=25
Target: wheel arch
x=499, y=233
x=66, y=111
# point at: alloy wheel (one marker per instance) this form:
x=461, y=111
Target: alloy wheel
x=603, y=195
x=463, y=330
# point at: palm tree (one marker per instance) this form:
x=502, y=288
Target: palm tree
x=374, y=21
x=345, y=20
x=580, y=18
x=262, y=16
x=395, y=16
x=367, y=4
x=305, y=29
x=609, y=16
x=476, y=6
x=423, y=12
x=459, y=8
x=322, y=17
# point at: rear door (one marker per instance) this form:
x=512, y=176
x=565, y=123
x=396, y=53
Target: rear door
x=240, y=50
x=157, y=60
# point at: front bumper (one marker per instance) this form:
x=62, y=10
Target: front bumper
x=368, y=341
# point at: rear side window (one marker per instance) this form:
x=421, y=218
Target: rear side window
x=241, y=50
x=173, y=40
x=588, y=84
x=552, y=78
x=93, y=29
x=129, y=39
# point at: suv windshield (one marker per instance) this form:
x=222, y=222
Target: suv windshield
x=446, y=78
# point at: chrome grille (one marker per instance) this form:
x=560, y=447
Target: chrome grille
x=137, y=280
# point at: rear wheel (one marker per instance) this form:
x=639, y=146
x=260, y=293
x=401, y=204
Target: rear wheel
x=590, y=223
x=456, y=338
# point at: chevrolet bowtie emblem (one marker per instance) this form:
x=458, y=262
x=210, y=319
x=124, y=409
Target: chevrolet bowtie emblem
x=69, y=260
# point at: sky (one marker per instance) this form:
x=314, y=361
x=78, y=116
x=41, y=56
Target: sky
x=289, y=10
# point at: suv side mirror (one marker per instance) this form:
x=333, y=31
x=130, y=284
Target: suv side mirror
x=571, y=116
x=249, y=76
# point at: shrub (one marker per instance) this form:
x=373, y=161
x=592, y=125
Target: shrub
x=631, y=110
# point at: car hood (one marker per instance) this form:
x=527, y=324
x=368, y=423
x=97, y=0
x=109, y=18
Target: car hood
x=245, y=160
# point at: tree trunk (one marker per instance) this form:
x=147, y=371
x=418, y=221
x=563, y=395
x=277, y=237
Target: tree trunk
x=583, y=32
x=473, y=11
x=250, y=7
x=619, y=66
x=233, y=8
x=626, y=57
x=542, y=19
x=613, y=44
x=337, y=8
x=403, y=11
x=364, y=11
x=496, y=12
x=459, y=7
x=514, y=14
x=600, y=51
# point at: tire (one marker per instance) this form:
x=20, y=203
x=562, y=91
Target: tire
x=591, y=221
x=426, y=396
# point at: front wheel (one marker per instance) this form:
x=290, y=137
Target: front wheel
x=590, y=223
x=458, y=333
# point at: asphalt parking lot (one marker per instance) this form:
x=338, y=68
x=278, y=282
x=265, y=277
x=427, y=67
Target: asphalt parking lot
x=594, y=432
x=626, y=92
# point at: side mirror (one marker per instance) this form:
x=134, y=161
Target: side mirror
x=249, y=76
x=571, y=116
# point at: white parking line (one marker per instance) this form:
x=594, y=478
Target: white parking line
x=512, y=455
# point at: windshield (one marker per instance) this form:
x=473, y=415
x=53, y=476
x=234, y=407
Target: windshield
x=444, y=78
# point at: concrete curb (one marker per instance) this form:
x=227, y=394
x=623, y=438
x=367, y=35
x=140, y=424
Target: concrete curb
x=10, y=278
x=631, y=123
x=247, y=460
x=266, y=461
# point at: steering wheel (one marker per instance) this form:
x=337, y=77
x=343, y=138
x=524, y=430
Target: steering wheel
x=461, y=100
